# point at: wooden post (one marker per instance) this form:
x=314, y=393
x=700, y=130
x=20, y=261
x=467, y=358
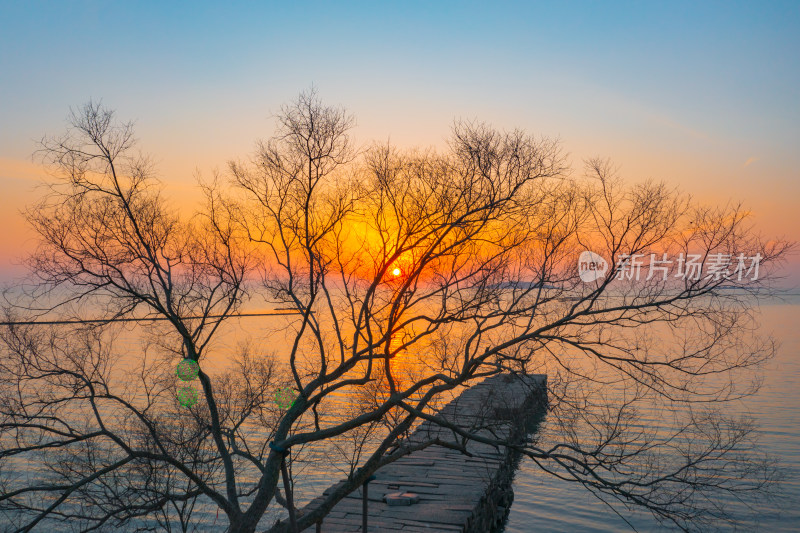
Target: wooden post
x=364, y=506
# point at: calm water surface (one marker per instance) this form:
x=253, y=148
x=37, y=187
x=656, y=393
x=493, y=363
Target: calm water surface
x=543, y=503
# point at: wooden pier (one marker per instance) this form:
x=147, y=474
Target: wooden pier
x=456, y=492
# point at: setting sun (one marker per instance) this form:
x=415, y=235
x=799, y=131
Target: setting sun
x=396, y=272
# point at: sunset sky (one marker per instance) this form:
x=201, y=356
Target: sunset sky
x=705, y=98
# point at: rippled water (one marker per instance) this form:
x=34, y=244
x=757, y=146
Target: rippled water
x=543, y=503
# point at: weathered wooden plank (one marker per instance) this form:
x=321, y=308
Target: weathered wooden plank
x=457, y=492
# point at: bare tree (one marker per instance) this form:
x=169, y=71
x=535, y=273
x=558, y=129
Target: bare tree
x=412, y=273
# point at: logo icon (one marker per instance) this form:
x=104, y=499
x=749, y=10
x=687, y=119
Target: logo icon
x=591, y=266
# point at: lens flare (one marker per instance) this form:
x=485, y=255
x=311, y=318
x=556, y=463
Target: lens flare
x=187, y=396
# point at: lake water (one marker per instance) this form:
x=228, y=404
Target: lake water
x=543, y=503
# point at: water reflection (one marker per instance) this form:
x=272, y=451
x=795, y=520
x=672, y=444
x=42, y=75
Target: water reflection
x=544, y=503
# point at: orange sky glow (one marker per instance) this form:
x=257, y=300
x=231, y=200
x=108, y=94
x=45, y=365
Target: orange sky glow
x=704, y=102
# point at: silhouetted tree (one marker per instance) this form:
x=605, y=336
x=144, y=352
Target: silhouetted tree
x=412, y=273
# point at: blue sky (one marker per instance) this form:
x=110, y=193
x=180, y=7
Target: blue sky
x=704, y=96
x=718, y=69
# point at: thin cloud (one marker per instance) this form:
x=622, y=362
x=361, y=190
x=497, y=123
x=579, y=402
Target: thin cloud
x=750, y=161
x=20, y=169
